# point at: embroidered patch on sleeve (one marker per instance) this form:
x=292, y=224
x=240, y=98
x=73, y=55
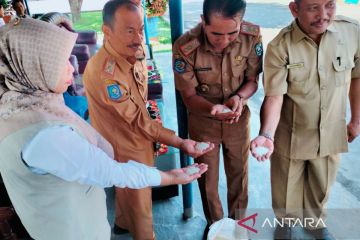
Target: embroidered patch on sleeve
x=117, y=90
x=179, y=65
x=259, y=49
x=114, y=91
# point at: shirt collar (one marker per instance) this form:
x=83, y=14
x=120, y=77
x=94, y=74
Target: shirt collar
x=298, y=34
x=122, y=62
x=332, y=28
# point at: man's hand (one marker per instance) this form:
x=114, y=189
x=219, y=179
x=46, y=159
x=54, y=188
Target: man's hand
x=261, y=141
x=180, y=176
x=235, y=103
x=353, y=130
x=223, y=113
x=189, y=147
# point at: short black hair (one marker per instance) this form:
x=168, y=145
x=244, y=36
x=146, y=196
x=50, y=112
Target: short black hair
x=110, y=8
x=226, y=8
x=14, y=2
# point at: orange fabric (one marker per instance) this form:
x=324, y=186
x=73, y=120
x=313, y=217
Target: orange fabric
x=123, y=120
x=125, y=123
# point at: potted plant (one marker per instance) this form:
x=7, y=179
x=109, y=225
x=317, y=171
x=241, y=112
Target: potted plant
x=156, y=8
x=4, y=4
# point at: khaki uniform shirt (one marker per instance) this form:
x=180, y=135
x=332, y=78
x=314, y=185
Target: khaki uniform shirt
x=216, y=76
x=117, y=92
x=315, y=82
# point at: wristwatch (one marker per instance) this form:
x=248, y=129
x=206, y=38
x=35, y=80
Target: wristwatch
x=266, y=135
x=239, y=95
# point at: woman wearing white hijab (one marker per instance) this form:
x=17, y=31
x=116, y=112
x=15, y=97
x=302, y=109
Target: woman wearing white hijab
x=54, y=165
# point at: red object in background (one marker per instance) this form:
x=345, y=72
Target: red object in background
x=154, y=113
x=7, y=18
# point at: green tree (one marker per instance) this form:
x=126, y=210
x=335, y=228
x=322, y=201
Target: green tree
x=4, y=4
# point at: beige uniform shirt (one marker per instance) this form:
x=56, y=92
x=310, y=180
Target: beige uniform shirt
x=315, y=82
x=117, y=92
x=216, y=76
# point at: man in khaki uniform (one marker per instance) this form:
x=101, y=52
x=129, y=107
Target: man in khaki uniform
x=216, y=68
x=116, y=88
x=309, y=68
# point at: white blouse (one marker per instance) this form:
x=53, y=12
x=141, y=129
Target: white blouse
x=2, y=23
x=60, y=151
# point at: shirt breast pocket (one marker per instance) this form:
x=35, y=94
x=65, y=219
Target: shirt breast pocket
x=342, y=70
x=205, y=76
x=238, y=66
x=237, y=76
x=298, y=81
x=209, y=83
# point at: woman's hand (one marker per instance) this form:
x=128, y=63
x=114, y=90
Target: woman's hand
x=180, y=175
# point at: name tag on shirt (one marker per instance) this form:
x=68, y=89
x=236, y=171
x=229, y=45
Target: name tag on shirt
x=203, y=69
x=295, y=65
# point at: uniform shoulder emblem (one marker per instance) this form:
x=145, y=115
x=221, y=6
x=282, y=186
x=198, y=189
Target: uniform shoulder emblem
x=250, y=29
x=190, y=46
x=109, y=66
x=180, y=65
x=259, y=49
x=117, y=91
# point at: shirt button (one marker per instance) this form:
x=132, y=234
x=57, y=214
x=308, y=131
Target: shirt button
x=225, y=89
x=323, y=108
x=321, y=68
x=323, y=87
